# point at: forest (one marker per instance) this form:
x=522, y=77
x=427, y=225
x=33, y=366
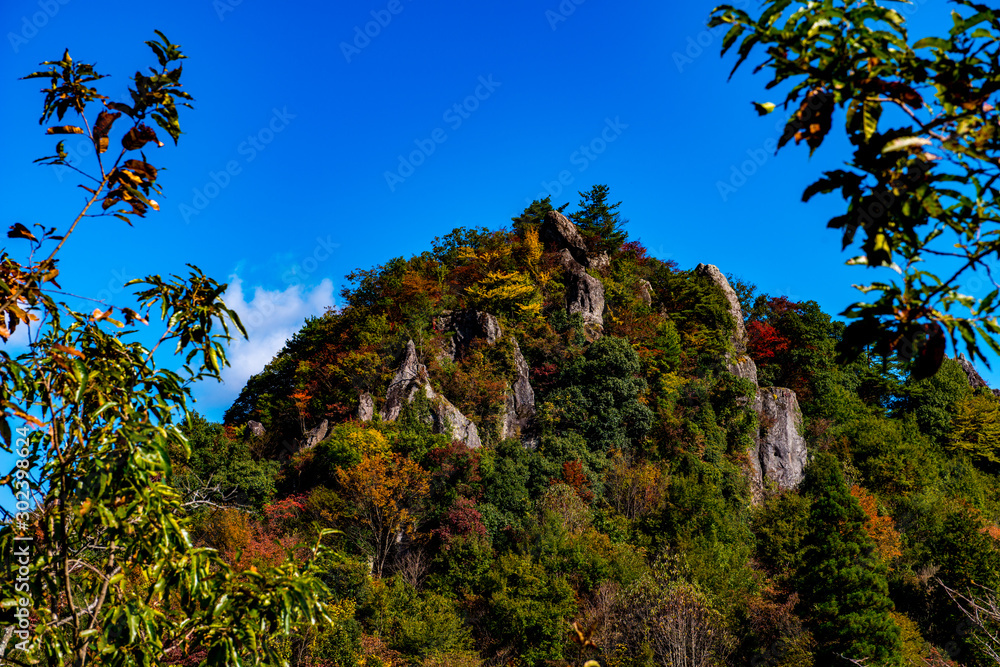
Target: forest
x=538, y=443
x=541, y=445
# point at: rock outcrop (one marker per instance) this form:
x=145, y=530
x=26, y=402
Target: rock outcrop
x=519, y=404
x=312, y=437
x=780, y=452
x=467, y=325
x=645, y=292
x=559, y=232
x=738, y=362
x=584, y=292
x=445, y=417
x=779, y=455
x=366, y=407
x=585, y=295
x=256, y=428
x=976, y=381
x=470, y=325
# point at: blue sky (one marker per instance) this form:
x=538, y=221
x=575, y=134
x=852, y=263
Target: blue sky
x=314, y=149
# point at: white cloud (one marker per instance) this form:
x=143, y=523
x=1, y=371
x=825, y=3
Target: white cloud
x=271, y=317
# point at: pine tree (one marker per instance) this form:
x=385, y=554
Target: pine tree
x=600, y=222
x=843, y=581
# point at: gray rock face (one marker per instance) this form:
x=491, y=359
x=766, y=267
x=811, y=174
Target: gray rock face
x=519, y=405
x=311, y=438
x=780, y=456
x=645, y=292
x=315, y=436
x=584, y=292
x=976, y=381
x=557, y=230
x=366, y=407
x=585, y=295
x=256, y=428
x=598, y=261
x=409, y=377
x=467, y=325
x=445, y=417
x=737, y=362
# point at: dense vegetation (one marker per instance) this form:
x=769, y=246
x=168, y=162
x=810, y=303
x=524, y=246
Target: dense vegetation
x=625, y=532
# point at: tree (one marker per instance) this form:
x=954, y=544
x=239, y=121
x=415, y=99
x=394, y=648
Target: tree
x=599, y=221
x=921, y=182
x=975, y=428
x=107, y=572
x=385, y=490
x=843, y=579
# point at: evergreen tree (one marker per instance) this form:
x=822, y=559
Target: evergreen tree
x=843, y=582
x=600, y=222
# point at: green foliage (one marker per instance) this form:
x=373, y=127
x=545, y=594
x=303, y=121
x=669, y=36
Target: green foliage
x=419, y=624
x=843, y=582
x=219, y=462
x=975, y=428
x=600, y=397
x=919, y=116
x=113, y=577
x=528, y=608
x=932, y=400
x=599, y=221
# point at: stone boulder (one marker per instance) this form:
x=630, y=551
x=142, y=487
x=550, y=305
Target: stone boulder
x=645, y=292
x=467, y=325
x=256, y=428
x=312, y=437
x=366, y=407
x=585, y=295
x=738, y=362
x=558, y=232
x=445, y=417
x=780, y=455
x=519, y=404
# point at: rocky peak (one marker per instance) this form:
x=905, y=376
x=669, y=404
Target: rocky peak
x=559, y=232
x=738, y=361
x=584, y=292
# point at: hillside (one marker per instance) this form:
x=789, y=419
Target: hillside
x=542, y=444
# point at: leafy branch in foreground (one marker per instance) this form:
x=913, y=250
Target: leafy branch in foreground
x=112, y=575
x=922, y=181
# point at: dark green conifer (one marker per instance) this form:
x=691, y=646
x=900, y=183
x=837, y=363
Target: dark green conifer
x=599, y=221
x=843, y=581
